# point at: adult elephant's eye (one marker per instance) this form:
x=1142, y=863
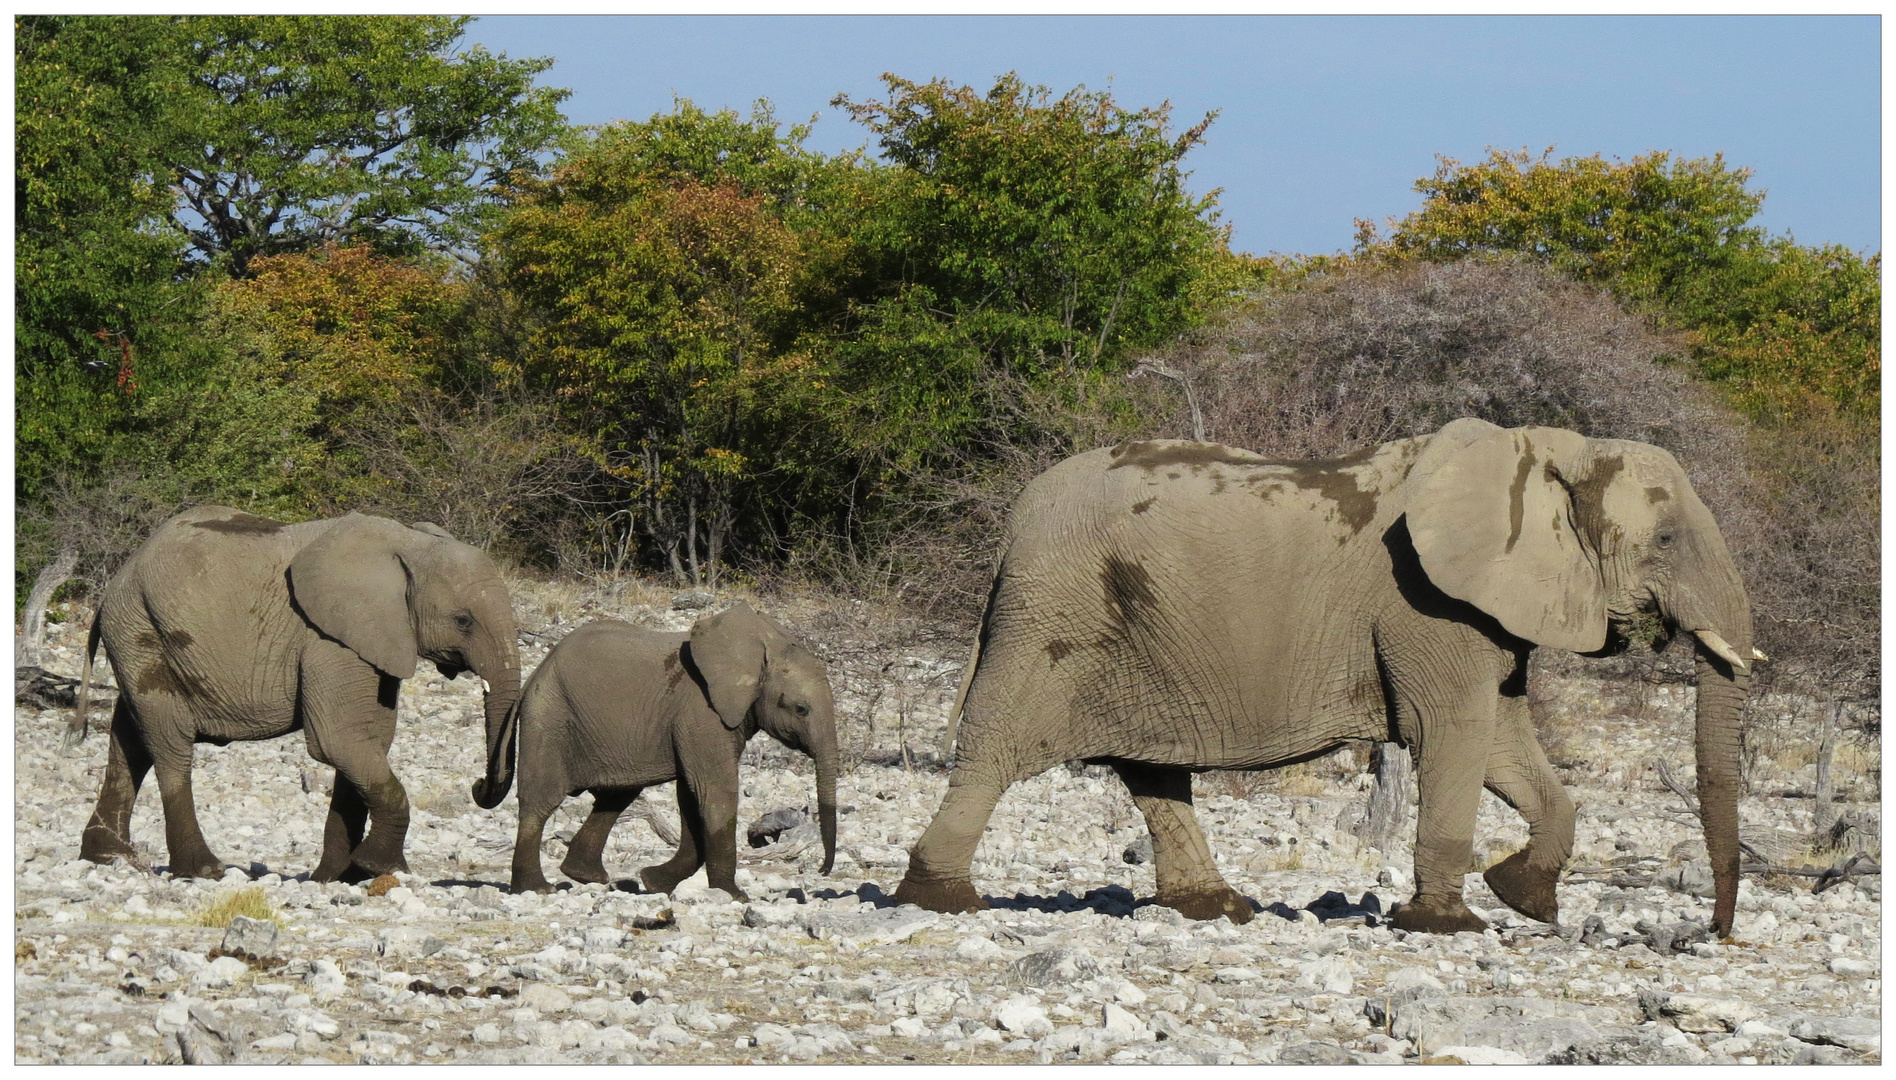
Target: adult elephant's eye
x=463, y=621
x=1664, y=539
x=803, y=709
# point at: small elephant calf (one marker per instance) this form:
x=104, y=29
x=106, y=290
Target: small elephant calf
x=615, y=709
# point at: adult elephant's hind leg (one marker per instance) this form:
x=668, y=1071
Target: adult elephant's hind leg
x=169, y=728
x=108, y=835
x=585, y=856
x=1188, y=877
x=1518, y=772
x=939, y=872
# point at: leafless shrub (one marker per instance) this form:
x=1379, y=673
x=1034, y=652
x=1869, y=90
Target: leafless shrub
x=104, y=520
x=494, y=471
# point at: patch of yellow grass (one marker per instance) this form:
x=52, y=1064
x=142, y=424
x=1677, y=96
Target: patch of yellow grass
x=225, y=906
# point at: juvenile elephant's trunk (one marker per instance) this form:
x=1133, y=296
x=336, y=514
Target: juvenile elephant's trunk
x=825, y=755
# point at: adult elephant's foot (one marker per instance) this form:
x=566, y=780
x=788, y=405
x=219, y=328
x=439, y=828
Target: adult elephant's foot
x=205, y=865
x=951, y=897
x=100, y=844
x=1207, y=904
x=661, y=878
x=1426, y=916
x=534, y=884
x=1527, y=889
x=586, y=871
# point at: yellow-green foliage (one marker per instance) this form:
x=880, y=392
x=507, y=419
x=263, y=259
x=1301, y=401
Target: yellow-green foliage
x=225, y=906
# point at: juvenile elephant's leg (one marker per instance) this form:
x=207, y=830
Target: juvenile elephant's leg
x=349, y=722
x=717, y=808
x=1188, y=877
x=1449, y=771
x=1518, y=772
x=348, y=820
x=169, y=728
x=585, y=856
x=527, y=876
x=691, y=841
x=109, y=834
x=939, y=867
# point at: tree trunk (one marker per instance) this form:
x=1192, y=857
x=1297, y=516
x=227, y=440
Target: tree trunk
x=1823, y=817
x=33, y=635
x=1389, y=798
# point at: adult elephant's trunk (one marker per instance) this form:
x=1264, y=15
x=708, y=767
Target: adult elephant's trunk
x=501, y=704
x=1710, y=602
x=1721, y=693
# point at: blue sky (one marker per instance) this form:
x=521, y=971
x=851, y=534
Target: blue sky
x=1322, y=119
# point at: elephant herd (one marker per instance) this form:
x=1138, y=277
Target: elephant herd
x=1159, y=607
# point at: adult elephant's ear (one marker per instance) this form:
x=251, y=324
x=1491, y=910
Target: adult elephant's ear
x=1492, y=517
x=351, y=583
x=729, y=650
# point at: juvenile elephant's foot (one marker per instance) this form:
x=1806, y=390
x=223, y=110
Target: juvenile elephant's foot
x=1208, y=904
x=341, y=870
x=585, y=871
x=1527, y=889
x=950, y=897
x=1425, y=916
x=534, y=884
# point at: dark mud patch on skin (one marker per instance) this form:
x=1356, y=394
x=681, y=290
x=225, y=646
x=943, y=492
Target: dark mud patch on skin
x=1355, y=507
x=1154, y=455
x=675, y=670
x=242, y=525
x=1517, y=496
x=1143, y=505
x=1589, y=499
x=1656, y=495
x=1130, y=599
x=1058, y=650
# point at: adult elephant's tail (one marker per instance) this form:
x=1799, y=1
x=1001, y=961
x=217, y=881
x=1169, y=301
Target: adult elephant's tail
x=501, y=751
x=76, y=727
x=974, y=662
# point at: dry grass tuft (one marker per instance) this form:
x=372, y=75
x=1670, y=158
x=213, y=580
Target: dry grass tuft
x=225, y=906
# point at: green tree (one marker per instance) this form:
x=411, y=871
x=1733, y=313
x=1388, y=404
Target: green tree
x=97, y=304
x=1782, y=327
x=664, y=284
x=307, y=130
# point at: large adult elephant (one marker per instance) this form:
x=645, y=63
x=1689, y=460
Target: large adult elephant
x=616, y=708
x=229, y=627
x=1168, y=607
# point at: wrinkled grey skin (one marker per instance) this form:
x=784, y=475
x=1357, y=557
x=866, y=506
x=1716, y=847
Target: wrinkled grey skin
x=615, y=709
x=228, y=627
x=1169, y=607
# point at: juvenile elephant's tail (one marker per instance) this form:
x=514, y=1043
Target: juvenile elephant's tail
x=501, y=752
x=76, y=728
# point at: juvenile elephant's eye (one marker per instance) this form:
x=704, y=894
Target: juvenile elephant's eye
x=1664, y=539
x=802, y=709
x=463, y=621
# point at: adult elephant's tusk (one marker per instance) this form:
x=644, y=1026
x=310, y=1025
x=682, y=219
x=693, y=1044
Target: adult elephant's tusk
x=485, y=689
x=1758, y=654
x=1711, y=640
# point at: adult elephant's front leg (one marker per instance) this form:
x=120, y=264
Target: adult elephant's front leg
x=349, y=720
x=1518, y=772
x=1188, y=878
x=940, y=864
x=1450, y=766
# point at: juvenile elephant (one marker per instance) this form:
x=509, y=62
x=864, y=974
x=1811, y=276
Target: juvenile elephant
x=615, y=709
x=1169, y=607
x=229, y=627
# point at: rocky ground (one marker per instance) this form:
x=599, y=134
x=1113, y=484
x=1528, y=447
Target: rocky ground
x=124, y=964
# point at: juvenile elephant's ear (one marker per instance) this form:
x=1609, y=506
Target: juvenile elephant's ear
x=352, y=584
x=1492, y=519
x=729, y=649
